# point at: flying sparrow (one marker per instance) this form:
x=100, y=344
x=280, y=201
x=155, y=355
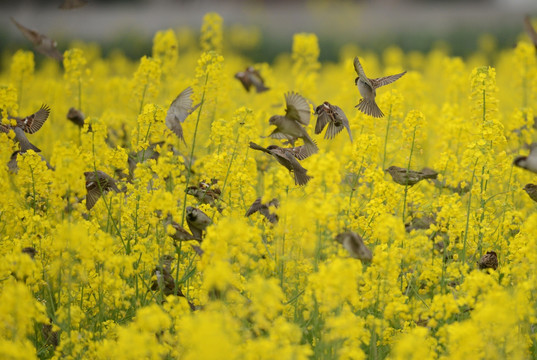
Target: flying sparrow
x=97, y=183
x=72, y=4
x=42, y=43
x=488, y=261
x=179, y=109
x=354, y=244
x=76, y=116
x=287, y=158
x=250, y=77
x=264, y=209
x=530, y=30
x=531, y=189
x=528, y=162
x=29, y=124
x=289, y=126
x=403, y=176
x=334, y=117
x=204, y=192
x=368, y=87
x=197, y=221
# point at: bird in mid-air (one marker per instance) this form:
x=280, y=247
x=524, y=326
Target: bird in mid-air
x=42, y=43
x=264, y=209
x=29, y=124
x=368, y=89
x=404, y=176
x=250, y=77
x=97, y=183
x=179, y=109
x=528, y=162
x=354, y=244
x=334, y=117
x=531, y=189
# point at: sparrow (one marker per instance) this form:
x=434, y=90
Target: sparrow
x=250, y=77
x=42, y=43
x=13, y=165
x=354, y=244
x=76, y=116
x=287, y=158
x=531, y=189
x=488, y=261
x=179, y=109
x=528, y=162
x=181, y=234
x=29, y=124
x=197, y=221
x=421, y=223
x=368, y=87
x=264, y=209
x=163, y=280
x=72, y=4
x=289, y=126
x=204, y=192
x=334, y=117
x=97, y=183
x=49, y=336
x=530, y=30
x=403, y=176
x=31, y=251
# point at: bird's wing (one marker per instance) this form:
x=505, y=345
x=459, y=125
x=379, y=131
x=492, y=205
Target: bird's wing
x=30, y=34
x=256, y=205
x=34, y=122
x=297, y=108
x=179, y=109
x=25, y=144
x=381, y=81
x=530, y=30
x=322, y=119
x=360, y=71
x=254, y=146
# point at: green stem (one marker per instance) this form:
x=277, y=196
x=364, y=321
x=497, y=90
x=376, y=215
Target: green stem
x=386, y=136
x=468, y=215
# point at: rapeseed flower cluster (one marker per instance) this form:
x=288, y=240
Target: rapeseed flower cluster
x=452, y=271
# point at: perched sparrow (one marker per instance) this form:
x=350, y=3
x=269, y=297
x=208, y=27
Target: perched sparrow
x=72, y=4
x=43, y=44
x=51, y=337
x=488, y=261
x=163, y=280
x=355, y=246
x=179, y=109
x=286, y=157
x=264, y=209
x=403, y=176
x=197, y=221
x=13, y=165
x=31, y=251
x=250, y=77
x=204, y=192
x=531, y=189
x=97, y=183
x=530, y=30
x=181, y=234
x=334, y=117
x=367, y=88
x=76, y=116
x=528, y=162
x=422, y=223
x=289, y=126
x=29, y=124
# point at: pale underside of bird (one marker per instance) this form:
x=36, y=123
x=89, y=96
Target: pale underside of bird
x=528, y=162
x=97, y=184
x=287, y=158
x=179, y=110
x=408, y=177
x=291, y=125
x=29, y=124
x=368, y=89
x=354, y=244
x=42, y=43
x=334, y=117
x=251, y=77
x=197, y=221
x=264, y=209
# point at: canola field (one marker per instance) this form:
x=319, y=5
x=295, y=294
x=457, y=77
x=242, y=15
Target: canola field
x=446, y=268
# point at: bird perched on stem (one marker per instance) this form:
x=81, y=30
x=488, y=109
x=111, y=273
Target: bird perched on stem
x=197, y=221
x=368, y=89
x=354, y=244
x=288, y=158
x=97, y=184
x=404, y=176
x=29, y=124
x=289, y=126
x=205, y=193
x=42, y=43
x=179, y=110
x=334, y=117
x=250, y=77
x=488, y=261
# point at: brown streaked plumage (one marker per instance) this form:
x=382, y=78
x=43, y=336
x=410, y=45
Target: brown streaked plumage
x=488, y=261
x=334, y=117
x=181, y=234
x=197, y=221
x=368, y=89
x=204, y=192
x=287, y=158
x=403, y=176
x=531, y=189
x=291, y=125
x=76, y=116
x=163, y=280
x=29, y=124
x=97, y=184
x=354, y=244
x=178, y=111
x=263, y=209
x=42, y=43
x=250, y=77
